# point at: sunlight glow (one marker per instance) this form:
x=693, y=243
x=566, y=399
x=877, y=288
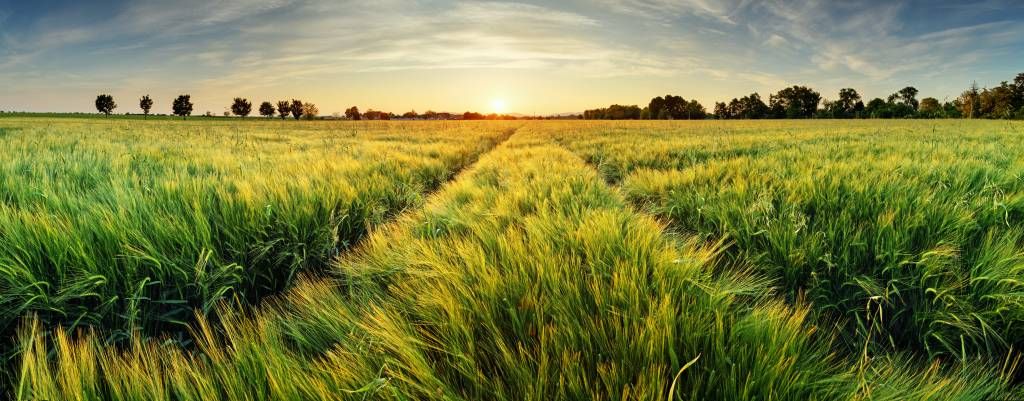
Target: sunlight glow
x=499, y=106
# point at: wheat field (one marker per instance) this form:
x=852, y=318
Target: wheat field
x=518, y=260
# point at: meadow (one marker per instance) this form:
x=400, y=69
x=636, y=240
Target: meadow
x=725, y=260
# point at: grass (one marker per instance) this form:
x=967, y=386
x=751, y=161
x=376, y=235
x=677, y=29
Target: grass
x=129, y=226
x=909, y=235
x=528, y=276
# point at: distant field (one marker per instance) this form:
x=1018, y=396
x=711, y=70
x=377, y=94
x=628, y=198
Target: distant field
x=783, y=260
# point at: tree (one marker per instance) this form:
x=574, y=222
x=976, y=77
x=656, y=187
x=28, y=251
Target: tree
x=795, y=102
x=747, y=107
x=969, y=102
x=615, y=112
x=182, y=106
x=722, y=111
x=105, y=104
x=695, y=111
x=877, y=108
x=906, y=96
x=241, y=107
x=645, y=114
x=951, y=109
x=930, y=108
x=410, y=114
x=284, y=108
x=310, y=111
x=267, y=110
x=848, y=105
x=145, y=104
x=352, y=113
x=381, y=115
x=296, y=108
x=1018, y=92
x=675, y=108
x=997, y=102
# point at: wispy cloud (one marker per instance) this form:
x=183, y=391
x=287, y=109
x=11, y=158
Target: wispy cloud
x=755, y=45
x=667, y=10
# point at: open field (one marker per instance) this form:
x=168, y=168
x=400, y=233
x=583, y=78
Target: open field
x=129, y=225
x=783, y=260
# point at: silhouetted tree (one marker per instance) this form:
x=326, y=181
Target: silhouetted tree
x=906, y=96
x=645, y=113
x=145, y=104
x=722, y=111
x=296, y=109
x=182, y=106
x=877, y=108
x=267, y=110
x=376, y=115
x=673, y=107
x=747, y=107
x=794, y=102
x=1018, y=94
x=848, y=105
x=310, y=111
x=105, y=104
x=352, y=113
x=410, y=114
x=614, y=112
x=241, y=107
x=284, y=108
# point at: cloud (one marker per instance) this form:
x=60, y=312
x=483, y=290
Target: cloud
x=481, y=35
x=661, y=10
x=244, y=44
x=776, y=41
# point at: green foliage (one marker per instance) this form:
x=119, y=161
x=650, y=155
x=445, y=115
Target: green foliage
x=527, y=278
x=909, y=240
x=530, y=277
x=129, y=227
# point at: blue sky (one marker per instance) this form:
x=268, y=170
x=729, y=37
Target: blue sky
x=538, y=57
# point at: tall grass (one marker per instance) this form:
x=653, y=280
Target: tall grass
x=526, y=278
x=129, y=226
x=909, y=233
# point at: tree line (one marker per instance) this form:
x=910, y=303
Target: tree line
x=182, y=106
x=1003, y=101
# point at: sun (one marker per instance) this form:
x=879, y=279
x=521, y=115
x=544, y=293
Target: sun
x=499, y=106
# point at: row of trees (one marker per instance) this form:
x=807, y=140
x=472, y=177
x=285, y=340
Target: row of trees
x=182, y=106
x=669, y=107
x=297, y=109
x=1003, y=101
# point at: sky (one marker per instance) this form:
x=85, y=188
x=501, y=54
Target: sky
x=533, y=57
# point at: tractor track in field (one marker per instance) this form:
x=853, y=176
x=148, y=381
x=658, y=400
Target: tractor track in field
x=397, y=215
x=6, y=369
x=316, y=270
